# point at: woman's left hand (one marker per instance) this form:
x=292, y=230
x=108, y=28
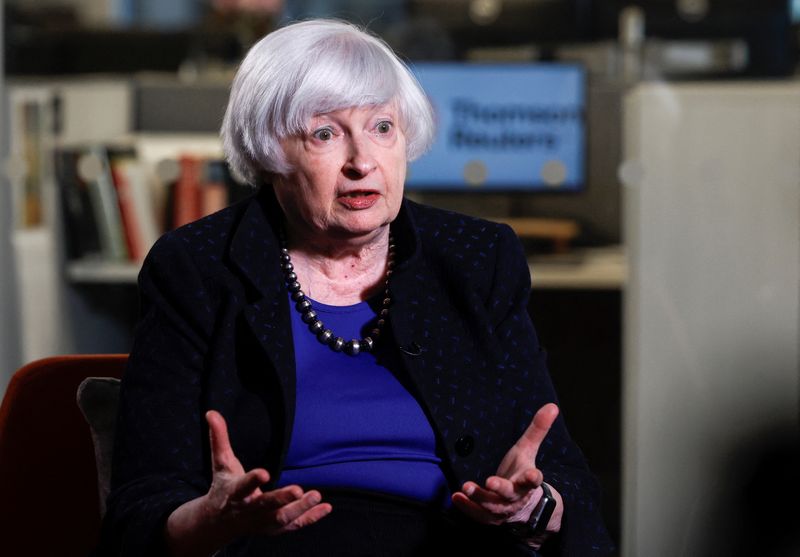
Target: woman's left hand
x=508, y=495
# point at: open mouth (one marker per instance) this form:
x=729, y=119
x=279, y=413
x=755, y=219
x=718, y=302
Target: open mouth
x=358, y=193
x=358, y=199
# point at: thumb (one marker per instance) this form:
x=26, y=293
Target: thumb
x=532, y=439
x=222, y=457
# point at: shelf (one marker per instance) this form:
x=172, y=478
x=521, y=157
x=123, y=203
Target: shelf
x=102, y=272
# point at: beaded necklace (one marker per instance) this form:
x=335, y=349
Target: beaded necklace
x=317, y=327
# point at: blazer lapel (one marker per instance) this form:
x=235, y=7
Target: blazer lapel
x=255, y=252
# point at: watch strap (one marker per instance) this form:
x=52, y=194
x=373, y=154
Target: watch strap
x=540, y=516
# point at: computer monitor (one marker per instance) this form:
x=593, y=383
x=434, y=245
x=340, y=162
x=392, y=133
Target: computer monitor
x=504, y=127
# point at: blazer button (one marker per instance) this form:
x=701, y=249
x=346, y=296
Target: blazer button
x=412, y=349
x=465, y=445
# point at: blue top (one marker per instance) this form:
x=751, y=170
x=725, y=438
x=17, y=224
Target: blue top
x=355, y=423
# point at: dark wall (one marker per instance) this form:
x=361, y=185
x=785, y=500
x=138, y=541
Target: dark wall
x=581, y=330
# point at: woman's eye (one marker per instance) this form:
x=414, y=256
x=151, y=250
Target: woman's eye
x=384, y=127
x=324, y=134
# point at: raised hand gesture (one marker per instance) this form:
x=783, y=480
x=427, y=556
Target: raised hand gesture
x=511, y=494
x=235, y=504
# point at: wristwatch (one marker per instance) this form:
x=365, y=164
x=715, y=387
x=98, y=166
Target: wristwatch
x=540, y=516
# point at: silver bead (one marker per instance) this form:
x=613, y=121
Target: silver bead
x=337, y=344
x=303, y=305
x=293, y=286
x=387, y=301
x=299, y=295
x=353, y=347
x=367, y=344
x=324, y=336
x=384, y=313
x=309, y=316
x=316, y=326
x=291, y=276
x=287, y=266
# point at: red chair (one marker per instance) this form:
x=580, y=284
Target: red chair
x=49, y=502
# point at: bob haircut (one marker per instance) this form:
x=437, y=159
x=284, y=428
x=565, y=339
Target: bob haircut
x=310, y=68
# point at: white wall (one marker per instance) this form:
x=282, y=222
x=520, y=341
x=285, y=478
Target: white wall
x=9, y=341
x=711, y=338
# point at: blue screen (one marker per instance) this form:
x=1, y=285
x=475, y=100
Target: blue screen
x=503, y=127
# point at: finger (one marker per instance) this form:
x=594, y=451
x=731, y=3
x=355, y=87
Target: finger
x=540, y=426
x=222, y=457
x=473, y=510
x=499, y=490
x=530, y=479
x=312, y=515
x=479, y=494
x=290, y=512
x=279, y=497
x=514, y=489
x=244, y=486
x=499, y=506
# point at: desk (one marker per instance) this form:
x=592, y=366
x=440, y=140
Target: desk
x=602, y=268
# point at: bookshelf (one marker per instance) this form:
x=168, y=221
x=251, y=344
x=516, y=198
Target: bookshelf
x=40, y=116
x=80, y=300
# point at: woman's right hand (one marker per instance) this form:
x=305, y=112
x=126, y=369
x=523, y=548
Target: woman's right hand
x=235, y=505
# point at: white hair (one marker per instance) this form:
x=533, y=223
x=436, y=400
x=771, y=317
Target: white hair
x=310, y=68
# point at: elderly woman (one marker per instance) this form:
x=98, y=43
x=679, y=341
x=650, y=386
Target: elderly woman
x=328, y=367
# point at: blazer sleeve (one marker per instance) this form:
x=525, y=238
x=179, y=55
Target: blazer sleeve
x=583, y=532
x=161, y=452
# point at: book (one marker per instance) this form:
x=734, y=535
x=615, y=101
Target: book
x=82, y=238
x=95, y=168
x=187, y=193
x=144, y=203
x=200, y=186
x=136, y=205
x=214, y=188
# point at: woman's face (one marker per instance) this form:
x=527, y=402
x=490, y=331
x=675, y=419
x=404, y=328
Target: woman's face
x=348, y=173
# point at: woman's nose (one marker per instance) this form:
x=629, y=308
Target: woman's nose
x=360, y=161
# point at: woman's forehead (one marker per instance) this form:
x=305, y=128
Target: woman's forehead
x=367, y=110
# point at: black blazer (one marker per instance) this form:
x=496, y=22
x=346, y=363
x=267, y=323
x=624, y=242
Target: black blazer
x=215, y=334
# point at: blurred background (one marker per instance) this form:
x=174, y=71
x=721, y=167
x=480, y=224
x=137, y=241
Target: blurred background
x=646, y=152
